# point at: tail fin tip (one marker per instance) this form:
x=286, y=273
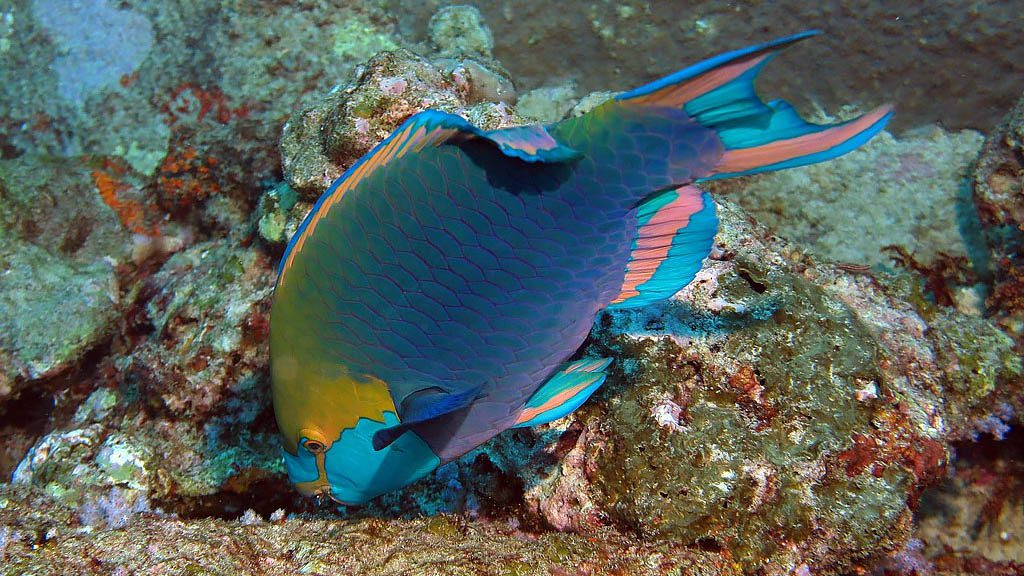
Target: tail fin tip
x=815, y=143
x=677, y=89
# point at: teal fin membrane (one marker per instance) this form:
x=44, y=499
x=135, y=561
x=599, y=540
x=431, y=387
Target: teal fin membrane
x=564, y=392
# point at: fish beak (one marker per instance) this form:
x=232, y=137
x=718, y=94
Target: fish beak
x=324, y=498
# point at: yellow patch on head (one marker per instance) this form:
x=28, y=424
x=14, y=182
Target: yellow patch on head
x=319, y=404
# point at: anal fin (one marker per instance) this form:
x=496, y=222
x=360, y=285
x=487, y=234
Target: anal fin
x=675, y=233
x=564, y=392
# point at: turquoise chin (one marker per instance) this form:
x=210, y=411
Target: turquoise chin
x=356, y=472
x=301, y=467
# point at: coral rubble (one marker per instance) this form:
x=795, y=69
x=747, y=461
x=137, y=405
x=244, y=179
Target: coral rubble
x=321, y=142
x=440, y=544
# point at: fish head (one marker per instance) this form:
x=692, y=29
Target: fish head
x=327, y=418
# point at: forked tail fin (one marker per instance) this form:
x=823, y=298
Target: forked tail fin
x=757, y=136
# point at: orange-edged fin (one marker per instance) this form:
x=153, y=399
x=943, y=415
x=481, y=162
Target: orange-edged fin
x=813, y=144
x=427, y=128
x=732, y=70
x=564, y=392
x=675, y=233
x=756, y=136
x=424, y=129
x=531, y=143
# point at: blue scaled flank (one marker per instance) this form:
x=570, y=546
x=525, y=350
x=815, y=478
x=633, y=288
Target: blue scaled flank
x=462, y=268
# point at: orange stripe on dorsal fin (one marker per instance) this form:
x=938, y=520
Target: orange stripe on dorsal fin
x=424, y=129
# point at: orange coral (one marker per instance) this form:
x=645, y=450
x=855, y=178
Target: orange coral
x=127, y=80
x=188, y=176
x=133, y=213
x=185, y=179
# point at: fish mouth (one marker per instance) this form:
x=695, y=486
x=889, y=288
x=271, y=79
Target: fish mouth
x=322, y=492
x=325, y=498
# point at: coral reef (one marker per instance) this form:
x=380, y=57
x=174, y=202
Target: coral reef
x=33, y=287
x=441, y=544
x=108, y=469
x=548, y=104
x=999, y=195
x=997, y=185
x=58, y=206
x=785, y=414
x=782, y=411
x=187, y=381
x=460, y=31
x=182, y=403
x=773, y=389
x=319, y=143
x=279, y=214
x=201, y=329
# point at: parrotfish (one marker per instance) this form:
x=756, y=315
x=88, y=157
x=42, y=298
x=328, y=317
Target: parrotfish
x=438, y=292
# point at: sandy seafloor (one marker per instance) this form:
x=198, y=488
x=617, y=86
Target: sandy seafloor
x=838, y=392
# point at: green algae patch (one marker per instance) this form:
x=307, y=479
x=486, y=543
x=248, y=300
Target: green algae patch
x=442, y=526
x=983, y=357
x=460, y=30
x=37, y=286
x=983, y=363
x=357, y=40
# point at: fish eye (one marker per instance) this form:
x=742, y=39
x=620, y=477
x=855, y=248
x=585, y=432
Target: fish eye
x=314, y=446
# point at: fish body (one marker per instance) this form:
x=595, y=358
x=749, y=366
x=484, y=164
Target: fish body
x=436, y=292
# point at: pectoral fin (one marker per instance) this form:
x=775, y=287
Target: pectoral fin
x=564, y=392
x=421, y=406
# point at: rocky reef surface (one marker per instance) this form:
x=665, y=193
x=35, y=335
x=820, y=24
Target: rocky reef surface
x=832, y=390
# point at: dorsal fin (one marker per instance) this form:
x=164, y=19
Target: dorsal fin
x=530, y=143
x=564, y=392
x=427, y=128
x=674, y=234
